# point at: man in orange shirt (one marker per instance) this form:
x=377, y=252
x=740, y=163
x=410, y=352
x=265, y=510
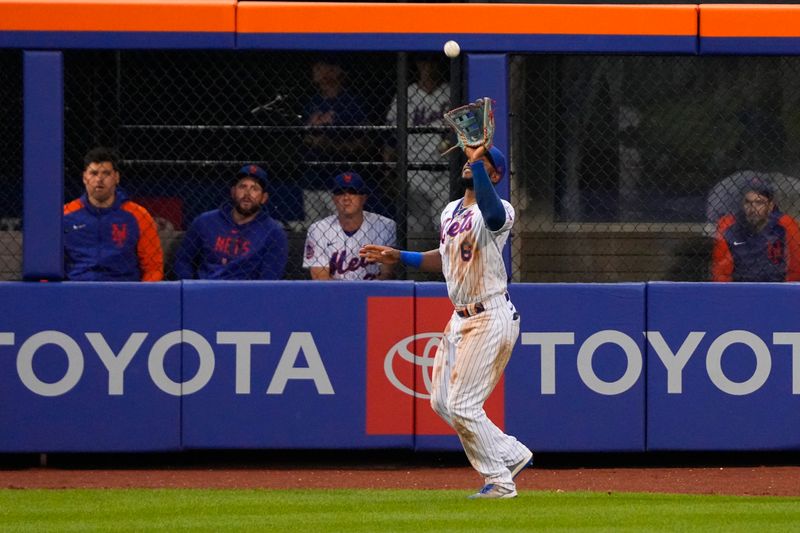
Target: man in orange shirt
x=759, y=243
x=106, y=236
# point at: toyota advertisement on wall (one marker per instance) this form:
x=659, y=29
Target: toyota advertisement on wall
x=283, y=365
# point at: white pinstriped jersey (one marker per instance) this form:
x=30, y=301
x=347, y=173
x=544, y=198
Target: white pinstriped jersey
x=472, y=254
x=327, y=245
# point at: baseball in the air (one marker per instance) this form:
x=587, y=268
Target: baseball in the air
x=451, y=49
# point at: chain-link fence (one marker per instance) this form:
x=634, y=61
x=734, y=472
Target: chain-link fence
x=621, y=165
x=11, y=165
x=186, y=122
x=624, y=165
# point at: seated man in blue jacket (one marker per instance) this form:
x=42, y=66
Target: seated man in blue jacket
x=237, y=241
x=106, y=236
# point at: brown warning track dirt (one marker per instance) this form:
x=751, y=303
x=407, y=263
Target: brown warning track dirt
x=452, y=473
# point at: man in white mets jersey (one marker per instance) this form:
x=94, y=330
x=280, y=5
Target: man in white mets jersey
x=333, y=243
x=484, y=327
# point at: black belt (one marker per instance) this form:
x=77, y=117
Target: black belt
x=475, y=309
x=471, y=310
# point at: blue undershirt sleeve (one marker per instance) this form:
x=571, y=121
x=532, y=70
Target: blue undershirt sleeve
x=488, y=201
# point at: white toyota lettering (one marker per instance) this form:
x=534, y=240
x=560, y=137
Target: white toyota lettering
x=674, y=355
x=116, y=363
x=674, y=361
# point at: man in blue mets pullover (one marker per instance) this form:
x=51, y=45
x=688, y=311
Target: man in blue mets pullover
x=237, y=241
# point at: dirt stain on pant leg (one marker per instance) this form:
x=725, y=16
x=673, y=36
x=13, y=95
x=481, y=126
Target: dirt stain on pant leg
x=501, y=361
x=468, y=438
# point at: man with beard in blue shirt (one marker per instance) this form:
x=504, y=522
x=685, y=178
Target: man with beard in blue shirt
x=759, y=243
x=237, y=241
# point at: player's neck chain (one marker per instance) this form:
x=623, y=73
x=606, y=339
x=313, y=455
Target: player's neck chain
x=460, y=208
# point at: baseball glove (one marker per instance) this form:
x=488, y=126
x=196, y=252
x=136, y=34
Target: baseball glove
x=473, y=124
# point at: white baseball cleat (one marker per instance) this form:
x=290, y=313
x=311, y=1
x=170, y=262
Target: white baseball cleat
x=516, y=468
x=492, y=491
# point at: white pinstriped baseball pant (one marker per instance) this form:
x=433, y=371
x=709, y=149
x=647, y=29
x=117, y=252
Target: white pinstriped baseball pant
x=470, y=360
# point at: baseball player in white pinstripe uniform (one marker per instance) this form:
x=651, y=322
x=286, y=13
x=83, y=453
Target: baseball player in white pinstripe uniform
x=481, y=334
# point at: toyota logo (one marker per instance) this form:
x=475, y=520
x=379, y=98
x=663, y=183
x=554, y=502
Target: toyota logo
x=405, y=350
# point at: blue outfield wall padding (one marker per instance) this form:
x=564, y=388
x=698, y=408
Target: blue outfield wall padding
x=297, y=365
x=546, y=401
x=576, y=378
x=57, y=393
x=43, y=188
x=112, y=40
x=487, y=75
x=433, y=310
x=472, y=43
x=104, y=367
x=750, y=46
x=732, y=383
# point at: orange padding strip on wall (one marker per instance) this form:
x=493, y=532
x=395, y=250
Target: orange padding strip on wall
x=118, y=15
x=749, y=20
x=318, y=17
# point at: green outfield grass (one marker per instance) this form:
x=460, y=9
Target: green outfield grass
x=418, y=511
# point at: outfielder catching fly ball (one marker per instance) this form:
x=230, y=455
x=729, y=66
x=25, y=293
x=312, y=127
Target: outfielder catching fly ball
x=484, y=327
